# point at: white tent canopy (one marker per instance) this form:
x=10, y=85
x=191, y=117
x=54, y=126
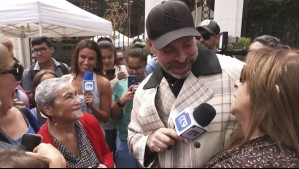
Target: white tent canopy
x=52, y=18
x=121, y=40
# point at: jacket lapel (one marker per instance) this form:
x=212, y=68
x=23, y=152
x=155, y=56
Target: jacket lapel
x=193, y=93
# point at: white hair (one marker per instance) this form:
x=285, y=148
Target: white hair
x=47, y=91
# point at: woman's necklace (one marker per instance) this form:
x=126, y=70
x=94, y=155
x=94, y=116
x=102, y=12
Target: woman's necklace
x=172, y=84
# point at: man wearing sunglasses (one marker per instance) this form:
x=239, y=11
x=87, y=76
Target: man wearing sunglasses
x=209, y=31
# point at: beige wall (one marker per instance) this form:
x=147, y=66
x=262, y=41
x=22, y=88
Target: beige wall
x=22, y=50
x=228, y=14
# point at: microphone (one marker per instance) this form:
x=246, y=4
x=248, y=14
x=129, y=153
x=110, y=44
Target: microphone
x=192, y=123
x=88, y=84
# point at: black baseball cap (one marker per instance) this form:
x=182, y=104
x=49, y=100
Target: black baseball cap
x=169, y=21
x=210, y=26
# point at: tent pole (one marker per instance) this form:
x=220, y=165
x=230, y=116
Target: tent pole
x=40, y=29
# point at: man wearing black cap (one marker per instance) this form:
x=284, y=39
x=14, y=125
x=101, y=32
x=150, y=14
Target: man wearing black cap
x=209, y=31
x=186, y=75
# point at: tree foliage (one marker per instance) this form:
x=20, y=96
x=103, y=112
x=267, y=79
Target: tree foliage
x=273, y=17
x=243, y=43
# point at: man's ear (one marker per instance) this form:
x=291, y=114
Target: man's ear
x=52, y=49
x=218, y=37
x=150, y=44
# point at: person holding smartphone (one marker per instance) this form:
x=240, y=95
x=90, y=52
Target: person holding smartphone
x=122, y=96
x=13, y=124
x=113, y=72
x=111, y=68
x=13, y=121
x=21, y=98
x=43, y=156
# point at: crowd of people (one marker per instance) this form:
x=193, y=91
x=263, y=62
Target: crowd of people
x=127, y=121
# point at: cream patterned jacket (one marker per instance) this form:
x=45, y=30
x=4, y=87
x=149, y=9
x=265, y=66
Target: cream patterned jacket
x=211, y=81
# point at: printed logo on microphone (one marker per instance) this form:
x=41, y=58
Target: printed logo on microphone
x=88, y=86
x=183, y=121
x=193, y=132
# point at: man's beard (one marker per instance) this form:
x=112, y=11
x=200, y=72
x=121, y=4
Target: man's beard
x=192, y=60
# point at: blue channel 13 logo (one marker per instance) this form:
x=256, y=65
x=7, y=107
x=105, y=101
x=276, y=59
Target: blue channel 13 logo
x=183, y=121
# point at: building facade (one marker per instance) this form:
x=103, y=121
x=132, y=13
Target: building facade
x=237, y=17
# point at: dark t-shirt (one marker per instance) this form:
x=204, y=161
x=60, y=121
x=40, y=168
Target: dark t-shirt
x=174, y=83
x=4, y=145
x=6, y=142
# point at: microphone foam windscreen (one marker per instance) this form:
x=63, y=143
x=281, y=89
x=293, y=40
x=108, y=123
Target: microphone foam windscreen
x=204, y=114
x=88, y=76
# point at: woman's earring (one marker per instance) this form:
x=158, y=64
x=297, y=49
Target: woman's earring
x=55, y=124
x=0, y=103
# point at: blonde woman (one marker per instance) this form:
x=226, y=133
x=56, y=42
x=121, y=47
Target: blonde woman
x=12, y=122
x=266, y=106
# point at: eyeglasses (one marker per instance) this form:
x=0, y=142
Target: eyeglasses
x=134, y=68
x=206, y=36
x=121, y=58
x=16, y=71
x=41, y=50
x=242, y=75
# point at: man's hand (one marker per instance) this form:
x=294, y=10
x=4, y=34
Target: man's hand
x=18, y=103
x=121, y=75
x=161, y=139
x=50, y=154
x=129, y=95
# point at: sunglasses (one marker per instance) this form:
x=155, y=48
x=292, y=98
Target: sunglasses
x=206, y=36
x=16, y=71
x=242, y=75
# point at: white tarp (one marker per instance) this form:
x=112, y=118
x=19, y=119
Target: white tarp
x=52, y=18
x=121, y=40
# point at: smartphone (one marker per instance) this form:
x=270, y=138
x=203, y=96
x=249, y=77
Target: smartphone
x=132, y=80
x=30, y=141
x=110, y=72
x=17, y=94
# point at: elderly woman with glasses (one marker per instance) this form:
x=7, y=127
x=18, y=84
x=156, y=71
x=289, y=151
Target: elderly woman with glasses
x=77, y=135
x=13, y=123
x=21, y=98
x=266, y=106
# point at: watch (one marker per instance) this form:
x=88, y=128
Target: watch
x=120, y=105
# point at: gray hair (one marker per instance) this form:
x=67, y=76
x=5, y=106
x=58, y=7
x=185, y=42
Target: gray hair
x=47, y=91
x=270, y=41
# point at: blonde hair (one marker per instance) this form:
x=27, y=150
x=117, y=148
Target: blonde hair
x=271, y=77
x=4, y=57
x=8, y=43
